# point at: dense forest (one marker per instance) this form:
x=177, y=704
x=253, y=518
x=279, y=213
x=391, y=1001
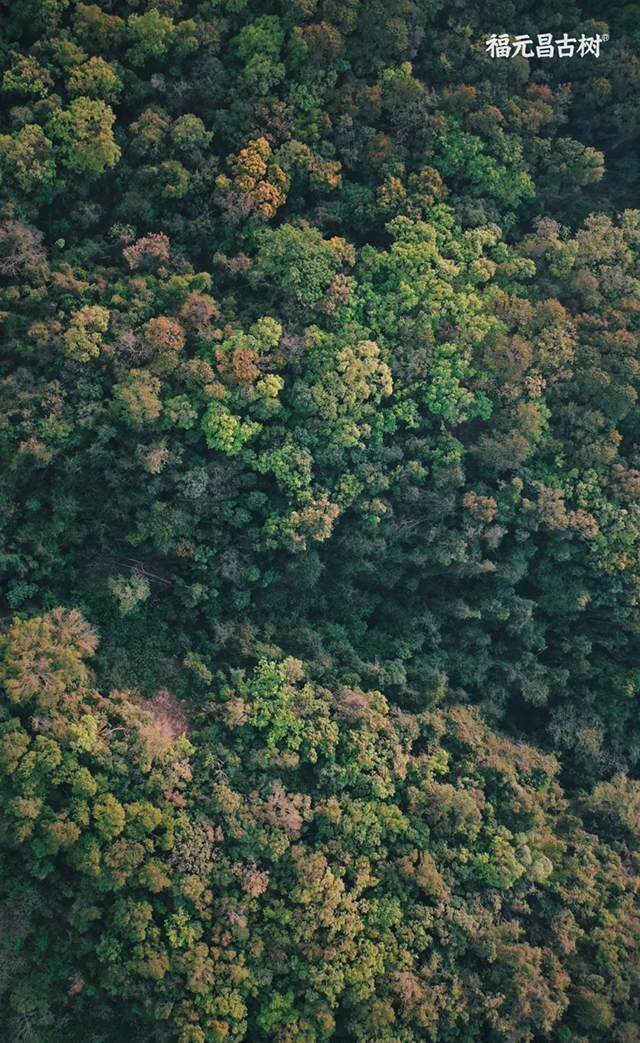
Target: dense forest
x=320, y=522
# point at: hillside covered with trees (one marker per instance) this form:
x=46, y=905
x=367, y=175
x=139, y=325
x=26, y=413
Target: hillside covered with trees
x=319, y=522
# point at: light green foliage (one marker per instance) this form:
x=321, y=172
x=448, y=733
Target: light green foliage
x=95, y=79
x=189, y=134
x=352, y=382
x=27, y=157
x=258, y=46
x=225, y=431
x=84, y=136
x=83, y=339
x=300, y=263
x=319, y=403
x=152, y=35
x=27, y=77
x=129, y=591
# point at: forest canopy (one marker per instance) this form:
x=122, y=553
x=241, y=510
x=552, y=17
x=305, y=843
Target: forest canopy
x=319, y=523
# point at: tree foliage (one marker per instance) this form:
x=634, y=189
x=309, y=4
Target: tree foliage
x=319, y=540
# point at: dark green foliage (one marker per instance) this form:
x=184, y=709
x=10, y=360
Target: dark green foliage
x=318, y=404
